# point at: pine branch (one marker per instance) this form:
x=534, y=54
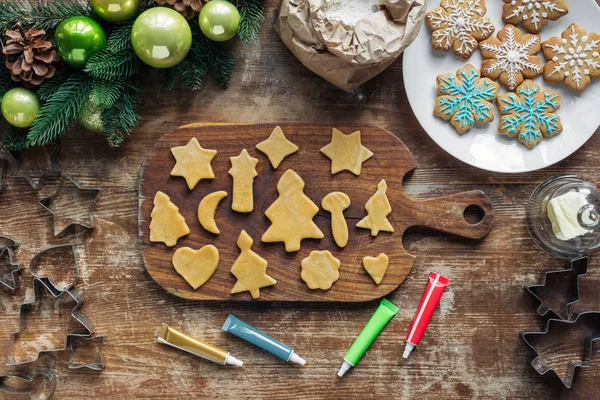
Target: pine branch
x=166, y=77
x=15, y=139
x=191, y=73
x=6, y=83
x=111, y=66
x=61, y=110
x=120, y=38
x=120, y=119
x=52, y=85
x=45, y=17
x=106, y=93
x=251, y=15
x=217, y=58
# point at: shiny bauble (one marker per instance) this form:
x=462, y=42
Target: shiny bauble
x=77, y=39
x=90, y=117
x=20, y=107
x=161, y=37
x=219, y=20
x=115, y=10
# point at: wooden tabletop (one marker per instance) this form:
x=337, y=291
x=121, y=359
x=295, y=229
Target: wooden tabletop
x=472, y=348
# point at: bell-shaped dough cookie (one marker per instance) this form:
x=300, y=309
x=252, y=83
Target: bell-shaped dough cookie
x=167, y=224
x=196, y=266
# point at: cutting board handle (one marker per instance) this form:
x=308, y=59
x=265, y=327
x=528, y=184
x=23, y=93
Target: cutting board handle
x=447, y=214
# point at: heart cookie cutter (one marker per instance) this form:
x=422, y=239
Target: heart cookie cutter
x=26, y=384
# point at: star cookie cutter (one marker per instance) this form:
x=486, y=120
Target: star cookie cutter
x=39, y=286
x=45, y=202
x=40, y=386
x=97, y=365
x=53, y=170
x=6, y=256
x=3, y=168
x=576, y=269
x=540, y=366
x=56, y=287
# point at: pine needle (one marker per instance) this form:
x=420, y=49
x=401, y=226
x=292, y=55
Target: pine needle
x=120, y=119
x=52, y=85
x=251, y=15
x=218, y=58
x=6, y=83
x=111, y=66
x=45, y=17
x=166, y=77
x=120, y=38
x=106, y=93
x=15, y=139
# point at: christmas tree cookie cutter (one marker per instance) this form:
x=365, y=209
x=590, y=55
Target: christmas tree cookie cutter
x=46, y=203
x=97, y=365
x=541, y=364
x=577, y=269
x=51, y=169
x=40, y=386
x=40, y=286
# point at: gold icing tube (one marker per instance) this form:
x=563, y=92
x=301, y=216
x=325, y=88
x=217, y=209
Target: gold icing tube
x=181, y=341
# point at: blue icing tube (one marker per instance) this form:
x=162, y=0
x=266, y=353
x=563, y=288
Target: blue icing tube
x=250, y=334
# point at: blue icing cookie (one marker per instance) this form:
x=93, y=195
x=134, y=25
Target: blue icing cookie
x=529, y=114
x=465, y=98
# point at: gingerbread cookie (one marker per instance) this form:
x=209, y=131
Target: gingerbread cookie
x=465, y=98
x=320, y=270
x=167, y=225
x=529, y=114
x=459, y=24
x=193, y=163
x=511, y=57
x=277, y=147
x=346, y=152
x=534, y=14
x=573, y=58
x=250, y=269
x=196, y=266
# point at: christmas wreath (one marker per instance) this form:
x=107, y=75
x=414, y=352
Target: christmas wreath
x=70, y=62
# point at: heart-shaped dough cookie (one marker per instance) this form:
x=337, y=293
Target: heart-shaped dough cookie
x=376, y=266
x=196, y=266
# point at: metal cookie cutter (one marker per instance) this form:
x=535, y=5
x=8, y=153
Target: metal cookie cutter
x=40, y=386
x=56, y=287
x=576, y=269
x=39, y=286
x=8, y=242
x=45, y=202
x=98, y=365
x=540, y=365
x=6, y=260
x=51, y=169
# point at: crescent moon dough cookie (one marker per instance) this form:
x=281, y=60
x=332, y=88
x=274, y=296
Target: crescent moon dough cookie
x=534, y=14
x=320, y=270
x=207, y=209
x=459, y=25
x=196, y=266
x=193, y=163
x=167, y=225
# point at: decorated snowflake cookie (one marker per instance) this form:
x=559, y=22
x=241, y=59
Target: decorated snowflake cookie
x=460, y=25
x=529, y=114
x=574, y=58
x=465, y=98
x=511, y=57
x=534, y=14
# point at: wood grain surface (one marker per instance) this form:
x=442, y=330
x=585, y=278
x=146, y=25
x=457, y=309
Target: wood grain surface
x=472, y=348
x=391, y=161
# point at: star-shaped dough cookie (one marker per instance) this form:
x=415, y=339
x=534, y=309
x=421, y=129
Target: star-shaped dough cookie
x=277, y=147
x=193, y=163
x=346, y=152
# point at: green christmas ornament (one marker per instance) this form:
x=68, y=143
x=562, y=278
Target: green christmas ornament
x=90, y=117
x=115, y=10
x=161, y=37
x=20, y=107
x=219, y=20
x=79, y=38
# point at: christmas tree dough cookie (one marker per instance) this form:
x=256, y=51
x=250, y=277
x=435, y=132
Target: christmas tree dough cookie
x=193, y=163
x=320, y=270
x=292, y=214
x=376, y=266
x=207, y=209
x=277, y=147
x=196, y=266
x=346, y=152
x=378, y=208
x=336, y=203
x=250, y=269
x=243, y=171
x=167, y=225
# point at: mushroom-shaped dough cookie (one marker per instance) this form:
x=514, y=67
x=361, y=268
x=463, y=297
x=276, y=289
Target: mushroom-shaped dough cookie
x=207, y=208
x=336, y=203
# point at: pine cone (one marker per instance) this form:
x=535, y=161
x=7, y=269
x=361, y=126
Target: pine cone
x=188, y=8
x=29, y=56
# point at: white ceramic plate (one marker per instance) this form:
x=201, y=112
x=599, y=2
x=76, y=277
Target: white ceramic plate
x=482, y=146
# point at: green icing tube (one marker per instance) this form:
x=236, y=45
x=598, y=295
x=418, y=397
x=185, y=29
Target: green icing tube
x=384, y=313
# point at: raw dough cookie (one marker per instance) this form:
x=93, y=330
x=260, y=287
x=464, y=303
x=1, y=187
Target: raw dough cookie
x=320, y=270
x=534, y=14
x=207, y=209
x=346, y=152
x=167, y=225
x=196, y=266
x=336, y=203
x=277, y=147
x=378, y=208
x=193, y=163
x=243, y=171
x=512, y=57
x=574, y=58
x=459, y=24
x=376, y=266
x=529, y=114
x=292, y=214
x=465, y=98
x=250, y=269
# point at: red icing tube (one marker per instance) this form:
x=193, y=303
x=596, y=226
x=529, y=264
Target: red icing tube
x=429, y=301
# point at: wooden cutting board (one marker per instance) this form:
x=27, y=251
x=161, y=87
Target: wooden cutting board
x=391, y=161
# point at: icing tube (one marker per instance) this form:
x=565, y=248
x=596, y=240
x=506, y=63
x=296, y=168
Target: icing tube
x=181, y=341
x=429, y=301
x=384, y=313
x=250, y=334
